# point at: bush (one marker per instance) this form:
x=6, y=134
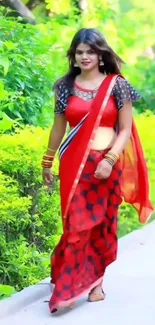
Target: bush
x=28, y=69
x=30, y=223
x=6, y=291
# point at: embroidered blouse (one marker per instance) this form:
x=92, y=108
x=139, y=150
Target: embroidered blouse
x=122, y=91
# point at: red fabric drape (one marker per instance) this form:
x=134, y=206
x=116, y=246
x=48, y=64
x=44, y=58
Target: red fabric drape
x=72, y=161
x=135, y=181
x=135, y=178
x=89, y=242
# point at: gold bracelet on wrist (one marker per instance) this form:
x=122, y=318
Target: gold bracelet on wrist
x=112, y=157
x=52, y=150
x=110, y=161
x=47, y=161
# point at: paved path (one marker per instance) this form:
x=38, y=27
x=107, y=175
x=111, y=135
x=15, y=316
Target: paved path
x=129, y=284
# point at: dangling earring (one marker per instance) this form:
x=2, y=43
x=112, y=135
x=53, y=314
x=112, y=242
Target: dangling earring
x=75, y=65
x=101, y=61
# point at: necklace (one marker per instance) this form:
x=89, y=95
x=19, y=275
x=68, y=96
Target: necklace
x=96, y=88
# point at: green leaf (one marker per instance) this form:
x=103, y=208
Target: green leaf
x=6, y=123
x=1, y=44
x=3, y=92
x=10, y=45
x=5, y=63
x=6, y=291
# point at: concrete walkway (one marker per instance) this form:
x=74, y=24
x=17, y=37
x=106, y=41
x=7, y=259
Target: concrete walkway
x=129, y=285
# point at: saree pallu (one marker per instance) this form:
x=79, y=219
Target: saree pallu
x=89, y=242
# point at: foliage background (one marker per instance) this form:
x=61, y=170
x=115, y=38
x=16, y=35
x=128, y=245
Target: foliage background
x=32, y=57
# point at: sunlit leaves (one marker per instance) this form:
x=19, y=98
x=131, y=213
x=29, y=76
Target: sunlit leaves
x=4, y=62
x=6, y=291
x=59, y=6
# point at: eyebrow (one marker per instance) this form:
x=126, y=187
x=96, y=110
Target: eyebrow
x=78, y=50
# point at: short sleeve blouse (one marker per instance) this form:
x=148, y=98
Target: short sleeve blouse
x=122, y=91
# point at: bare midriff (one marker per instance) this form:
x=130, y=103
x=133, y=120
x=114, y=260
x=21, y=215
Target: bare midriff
x=105, y=138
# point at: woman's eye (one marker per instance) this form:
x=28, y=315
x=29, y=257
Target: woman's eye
x=88, y=52
x=78, y=52
x=91, y=52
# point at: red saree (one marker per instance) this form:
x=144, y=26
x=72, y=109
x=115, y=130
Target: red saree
x=90, y=206
x=135, y=180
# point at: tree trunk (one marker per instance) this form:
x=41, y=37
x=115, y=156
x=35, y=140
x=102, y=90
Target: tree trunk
x=21, y=10
x=31, y=4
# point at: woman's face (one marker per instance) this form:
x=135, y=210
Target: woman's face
x=86, y=58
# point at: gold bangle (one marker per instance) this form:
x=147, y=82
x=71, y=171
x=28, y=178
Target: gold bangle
x=113, y=158
x=110, y=161
x=47, y=161
x=48, y=157
x=52, y=150
x=110, y=158
x=113, y=155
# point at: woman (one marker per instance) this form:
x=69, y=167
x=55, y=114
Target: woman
x=101, y=162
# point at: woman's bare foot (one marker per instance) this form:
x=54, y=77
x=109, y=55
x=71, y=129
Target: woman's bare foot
x=96, y=294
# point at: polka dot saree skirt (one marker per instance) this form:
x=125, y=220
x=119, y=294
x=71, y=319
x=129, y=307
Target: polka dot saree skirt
x=89, y=242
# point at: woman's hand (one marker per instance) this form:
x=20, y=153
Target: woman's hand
x=47, y=177
x=103, y=170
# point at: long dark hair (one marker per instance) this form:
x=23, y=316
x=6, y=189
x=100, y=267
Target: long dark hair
x=93, y=38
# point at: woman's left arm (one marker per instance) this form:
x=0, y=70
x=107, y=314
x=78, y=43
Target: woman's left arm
x=125, y=125
x=104, y=169
x=125, y=95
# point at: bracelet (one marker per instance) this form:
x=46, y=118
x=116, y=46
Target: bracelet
x=110, y=161
x=112, y=156
x=51, y=150
x=46, y=157
x=47, y=161
x=46, y=165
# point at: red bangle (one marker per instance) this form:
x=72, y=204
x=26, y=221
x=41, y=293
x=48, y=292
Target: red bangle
x=48, y=158
x=47, y=163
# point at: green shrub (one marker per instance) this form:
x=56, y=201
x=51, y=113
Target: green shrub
x=28, y=69
x=25, y=241
x=6, y=291
x=30, y=223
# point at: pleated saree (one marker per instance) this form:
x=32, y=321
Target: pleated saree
x=90, y=206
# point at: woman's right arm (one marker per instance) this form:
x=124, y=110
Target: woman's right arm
x=55, y=138
x=57, y=133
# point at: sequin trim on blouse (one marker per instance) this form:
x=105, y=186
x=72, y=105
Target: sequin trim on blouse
x=122, y=91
